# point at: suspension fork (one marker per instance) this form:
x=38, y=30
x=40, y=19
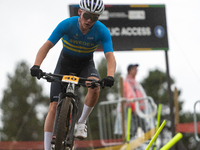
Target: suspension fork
x=74, y=118
x=57, y=112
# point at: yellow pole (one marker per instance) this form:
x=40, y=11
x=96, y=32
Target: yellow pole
x=156, y=134
x=175, y=139
x=128, y=128
x=158, y=123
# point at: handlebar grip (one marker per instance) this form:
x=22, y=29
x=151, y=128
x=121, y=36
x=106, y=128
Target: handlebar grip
x=48, y=77
x=102, y=84
x=44, y=74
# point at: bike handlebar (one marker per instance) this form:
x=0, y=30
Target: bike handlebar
x=72, y=79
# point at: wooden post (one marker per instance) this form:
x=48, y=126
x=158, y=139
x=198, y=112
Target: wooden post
x=176, y=104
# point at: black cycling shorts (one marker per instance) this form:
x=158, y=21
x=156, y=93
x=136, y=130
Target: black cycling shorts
x=65, y=66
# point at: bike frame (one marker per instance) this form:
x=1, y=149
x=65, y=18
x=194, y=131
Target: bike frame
x=71, y=95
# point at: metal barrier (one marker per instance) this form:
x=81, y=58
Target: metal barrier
x=112, y=119
x=195, y=122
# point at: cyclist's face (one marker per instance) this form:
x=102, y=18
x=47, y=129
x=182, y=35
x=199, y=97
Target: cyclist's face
x=87, y=19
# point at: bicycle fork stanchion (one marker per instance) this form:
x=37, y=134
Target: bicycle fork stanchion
x=156, y=134
x=128, y=128
x=74, y=117
x=55, y=122
x=175, y=139
x=158, y=124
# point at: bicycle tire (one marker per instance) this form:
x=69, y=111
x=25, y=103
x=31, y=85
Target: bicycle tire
x=63, y=123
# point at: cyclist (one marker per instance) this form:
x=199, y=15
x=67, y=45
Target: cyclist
x=80, y=36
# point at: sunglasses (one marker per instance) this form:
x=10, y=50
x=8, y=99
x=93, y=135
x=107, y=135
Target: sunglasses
x=90, y=16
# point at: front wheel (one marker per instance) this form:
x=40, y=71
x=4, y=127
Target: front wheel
x=63, y=123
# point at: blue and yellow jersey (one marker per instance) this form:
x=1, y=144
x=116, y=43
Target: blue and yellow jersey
x=76, y=44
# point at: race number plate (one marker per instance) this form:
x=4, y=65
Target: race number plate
x=70, y=79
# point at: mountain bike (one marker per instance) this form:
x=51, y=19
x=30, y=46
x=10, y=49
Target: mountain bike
x=67, y=108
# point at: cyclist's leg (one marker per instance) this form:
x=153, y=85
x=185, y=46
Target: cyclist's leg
x=90, y=100
x=48, y=126
x=93, y=94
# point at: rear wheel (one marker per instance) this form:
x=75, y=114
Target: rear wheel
x=63, y=123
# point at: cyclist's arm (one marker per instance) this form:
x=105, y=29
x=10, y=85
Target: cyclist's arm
x=111, y=63
x=43, y=52
x=108, y=50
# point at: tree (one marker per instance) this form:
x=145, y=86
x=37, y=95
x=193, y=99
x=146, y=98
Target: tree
x=21, y=99
x=156, y=86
